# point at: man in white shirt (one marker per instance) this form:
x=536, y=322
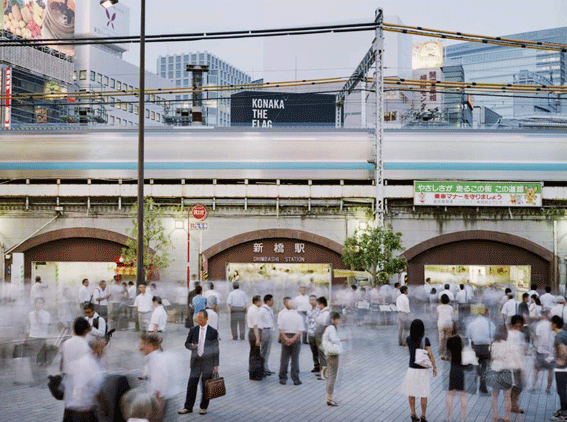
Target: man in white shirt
x=266, y=331
x=77, y=346
x=97, y=322
x=255, y=363
x=38, y=325
x=302, y=304
x=210, y=293
x=509, y=309
x=533, y=291
x=115, y=291
x=559, y=309
x=83, y=382
x=131, y=292
x=85, y=295
x=37, y=290
x=544, y=359
x=547, y=299
x=481, y=332
x=403, y=308
x=236, y=302
x=143, y=304
x=159, y=372
x=446, y=291
x=463, y=295
x=323, y=321
x=213, y=316
x=516, y=339
x=290, y=325
x=158, y=318
x=100, y=299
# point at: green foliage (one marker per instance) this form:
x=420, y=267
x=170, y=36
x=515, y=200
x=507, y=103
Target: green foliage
x=154, y=237
x=372, y=250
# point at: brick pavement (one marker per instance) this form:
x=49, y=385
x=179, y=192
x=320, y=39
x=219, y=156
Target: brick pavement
x=370, y=374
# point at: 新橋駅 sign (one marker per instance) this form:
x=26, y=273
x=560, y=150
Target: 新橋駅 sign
x=474, y=194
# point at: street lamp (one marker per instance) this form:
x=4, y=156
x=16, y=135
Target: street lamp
x=141, y=116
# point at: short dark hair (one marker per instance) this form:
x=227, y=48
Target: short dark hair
x=508, y=290
x=353, y=287
x=397, y=285
x=516, y=319
x=444, y=299
x=447, y=287
x=417, y=329
x=403, y=289
x=84, y=279
x=154, y=285
x=90, y=306
x=322, y=300
x=130, y=283
x=37, y=278
x=557, y=320
x=285, y=299
x=462, y=286
x=534, y=286
x=198, y=290
x=156, y=299
x=547, y=289
x=525, y=295
x=256, y=299
x=211, y=286
x=315, y=296
x=501, y=334
x=268, y=297
x=434, y=290
x=335, y=315
x=151, y=339
x=205, y=313
x=235, y=285
x=80, y=326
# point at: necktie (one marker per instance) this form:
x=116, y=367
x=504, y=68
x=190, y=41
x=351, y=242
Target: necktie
x=201, y=346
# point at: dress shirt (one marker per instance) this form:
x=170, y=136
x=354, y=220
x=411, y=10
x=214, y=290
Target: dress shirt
x=302, y=303
x=445, y=316
x=131, y=292
x=559, y=310
x=237, y=298
x=253, y=317
x=159, y=374
x=545, y=337
x=462, y=296
x=402, y=303
x=547, y=301
x=73, y=349
x=311, y=321
x=214, y=293
x=181, y=295
x=324, y=317
x=448, y=293
x=83, y=381
x=213, y=319
x=510, y=308
x=266, y=317
x=36, y=291
x=481, y=330
x=290, y=322
x=159, y=318
x=202, y=337
x=39, y=323
x=84, y=294
x=143, y=302
x=533, y=292
x=199, y=303
x=98, y=292
x=101, y=330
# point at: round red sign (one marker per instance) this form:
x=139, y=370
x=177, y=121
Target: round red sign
x=200, y=212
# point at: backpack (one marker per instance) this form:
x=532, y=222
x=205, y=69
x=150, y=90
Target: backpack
x=95, y=325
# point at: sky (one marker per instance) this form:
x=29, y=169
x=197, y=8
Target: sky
x=328, y=54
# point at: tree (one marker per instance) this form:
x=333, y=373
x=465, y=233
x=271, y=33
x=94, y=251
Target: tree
x=371, y=250
x=154, y=238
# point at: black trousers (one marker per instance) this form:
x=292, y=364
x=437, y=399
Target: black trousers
x=201, y=368
x=314, y=352
x=483, y=354
x=78, y=416
x=561, y=381
x=237, y=319
x=255, y=361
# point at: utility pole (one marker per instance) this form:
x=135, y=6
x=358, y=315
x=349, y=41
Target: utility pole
x=379, y=79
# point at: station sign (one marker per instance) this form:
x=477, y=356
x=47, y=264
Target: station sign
x=475, y=194
x=198, y=215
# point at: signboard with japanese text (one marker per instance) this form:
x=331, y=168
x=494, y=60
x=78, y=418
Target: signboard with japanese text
x=198, y=226
x=8, y=99
x=427, y=55
x=475, y=194
x=480, y=275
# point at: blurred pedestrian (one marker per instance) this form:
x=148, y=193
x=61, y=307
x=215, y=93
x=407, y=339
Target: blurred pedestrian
x=211, y=292
x=518, y=346
x=444, y=325
x=362, y=306
x=212, y=304
x=323, y=321
x=544, y=359
x=302, y=304
x=333, y=348
x=77, y=346
x=481, y=333
x=547, y=299
x=100, y=298
x=97, y=322
x=236, y=302
x=509, y=309
x=502, y=366
x=158, y=372
x=199, y=303
x=446, y=291
x=37, y=291
x=560, y=347
x=311, y=327
x=290, y=325
x=37, y=333
x=158, y=320
x=85, y=295
x=403, y=308
x=266, y=331
x=456, y=375
x=139, y=406
x=416, y=383
x=255, y=363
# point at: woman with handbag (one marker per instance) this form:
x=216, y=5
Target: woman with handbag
x=416, y=383
x=331, y=344
x=456, y=374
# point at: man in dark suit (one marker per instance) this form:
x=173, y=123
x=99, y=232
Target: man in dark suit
x=203, y=341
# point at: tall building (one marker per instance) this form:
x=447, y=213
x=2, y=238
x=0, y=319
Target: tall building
x=497, y=64
x=216, y=105
x=101, y=69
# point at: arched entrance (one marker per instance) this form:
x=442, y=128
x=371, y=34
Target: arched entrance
x=481, y=247
x=276, y=246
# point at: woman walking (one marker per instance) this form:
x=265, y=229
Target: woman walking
x=332, y=345
x=416, y=383
x=456, y=375
x=444, y=325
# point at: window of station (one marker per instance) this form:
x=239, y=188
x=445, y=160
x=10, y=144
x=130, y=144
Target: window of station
x=112, y=101
x=118, y=121
x=83, y=75
x=170, y=75
x=106, y=81
x=74, y=75
x=170, y=59
x=112, y=83
x=136, y=109
x=178, y=59
x=111, y=120
x=124, y=106
x=130, y=108
x=99, y=78
x=118, y=103
x=153, y=115
x=147, y=114
x=118, y=85
x=93, y=75
x=158, y=117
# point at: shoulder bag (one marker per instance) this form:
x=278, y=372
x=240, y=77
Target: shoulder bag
x=214, y=387
x=422, y=356
x=468, y=355
x=329, y=347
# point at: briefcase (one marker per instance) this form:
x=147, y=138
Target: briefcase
x=214, y=387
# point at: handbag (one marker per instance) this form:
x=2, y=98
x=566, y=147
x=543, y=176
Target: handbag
x=56, y=387
x=214, y=387
x=501, y=380
x=422, y=356
x=468, y=355
x=331, y=348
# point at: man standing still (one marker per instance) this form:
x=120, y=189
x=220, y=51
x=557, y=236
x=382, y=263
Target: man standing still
x=302, y=304
x=143, y=304
x=291, y=327
x=266, y=332
x=84, y=294
x=236, y=302
x=323, y=321
x=100, y=298
x=255, y=363
x=311, y=327
x=403, y=308
x=37, y=291
x=203, y=341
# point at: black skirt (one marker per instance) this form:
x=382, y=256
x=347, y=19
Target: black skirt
x=456, y=378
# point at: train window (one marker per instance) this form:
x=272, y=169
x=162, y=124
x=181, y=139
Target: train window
x=124, y=106
x=118, y=103
x=112, y=83
x=83, y=75
x=93, y=75
x=118, y=85
x=153, y=115
x=118, y=121
x=74, y=75
x=106, y=81
x=99, y=78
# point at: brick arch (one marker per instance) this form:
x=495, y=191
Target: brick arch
x=481, y=247
x=273, y=234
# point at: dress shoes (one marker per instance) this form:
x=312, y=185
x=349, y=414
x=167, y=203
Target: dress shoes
x=202, y=411
x=268, y=373
x=184, y=411
x=315, y=370
x=297, y=383
x=282, y=382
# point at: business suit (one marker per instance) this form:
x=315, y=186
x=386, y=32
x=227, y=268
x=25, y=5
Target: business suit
x=201, y=366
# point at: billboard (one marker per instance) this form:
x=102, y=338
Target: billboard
x=518, y=276
x=271, y=109
x=41, y=19
x=474, y=194
x=427, y=55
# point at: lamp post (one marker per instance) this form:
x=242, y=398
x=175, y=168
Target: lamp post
x=141, y=116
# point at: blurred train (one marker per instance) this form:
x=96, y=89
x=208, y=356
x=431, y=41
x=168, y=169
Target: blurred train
x=308, y=154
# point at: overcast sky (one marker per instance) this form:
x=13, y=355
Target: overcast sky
x=341, y=52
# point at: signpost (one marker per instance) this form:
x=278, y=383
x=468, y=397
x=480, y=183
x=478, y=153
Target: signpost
x=198, y=215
